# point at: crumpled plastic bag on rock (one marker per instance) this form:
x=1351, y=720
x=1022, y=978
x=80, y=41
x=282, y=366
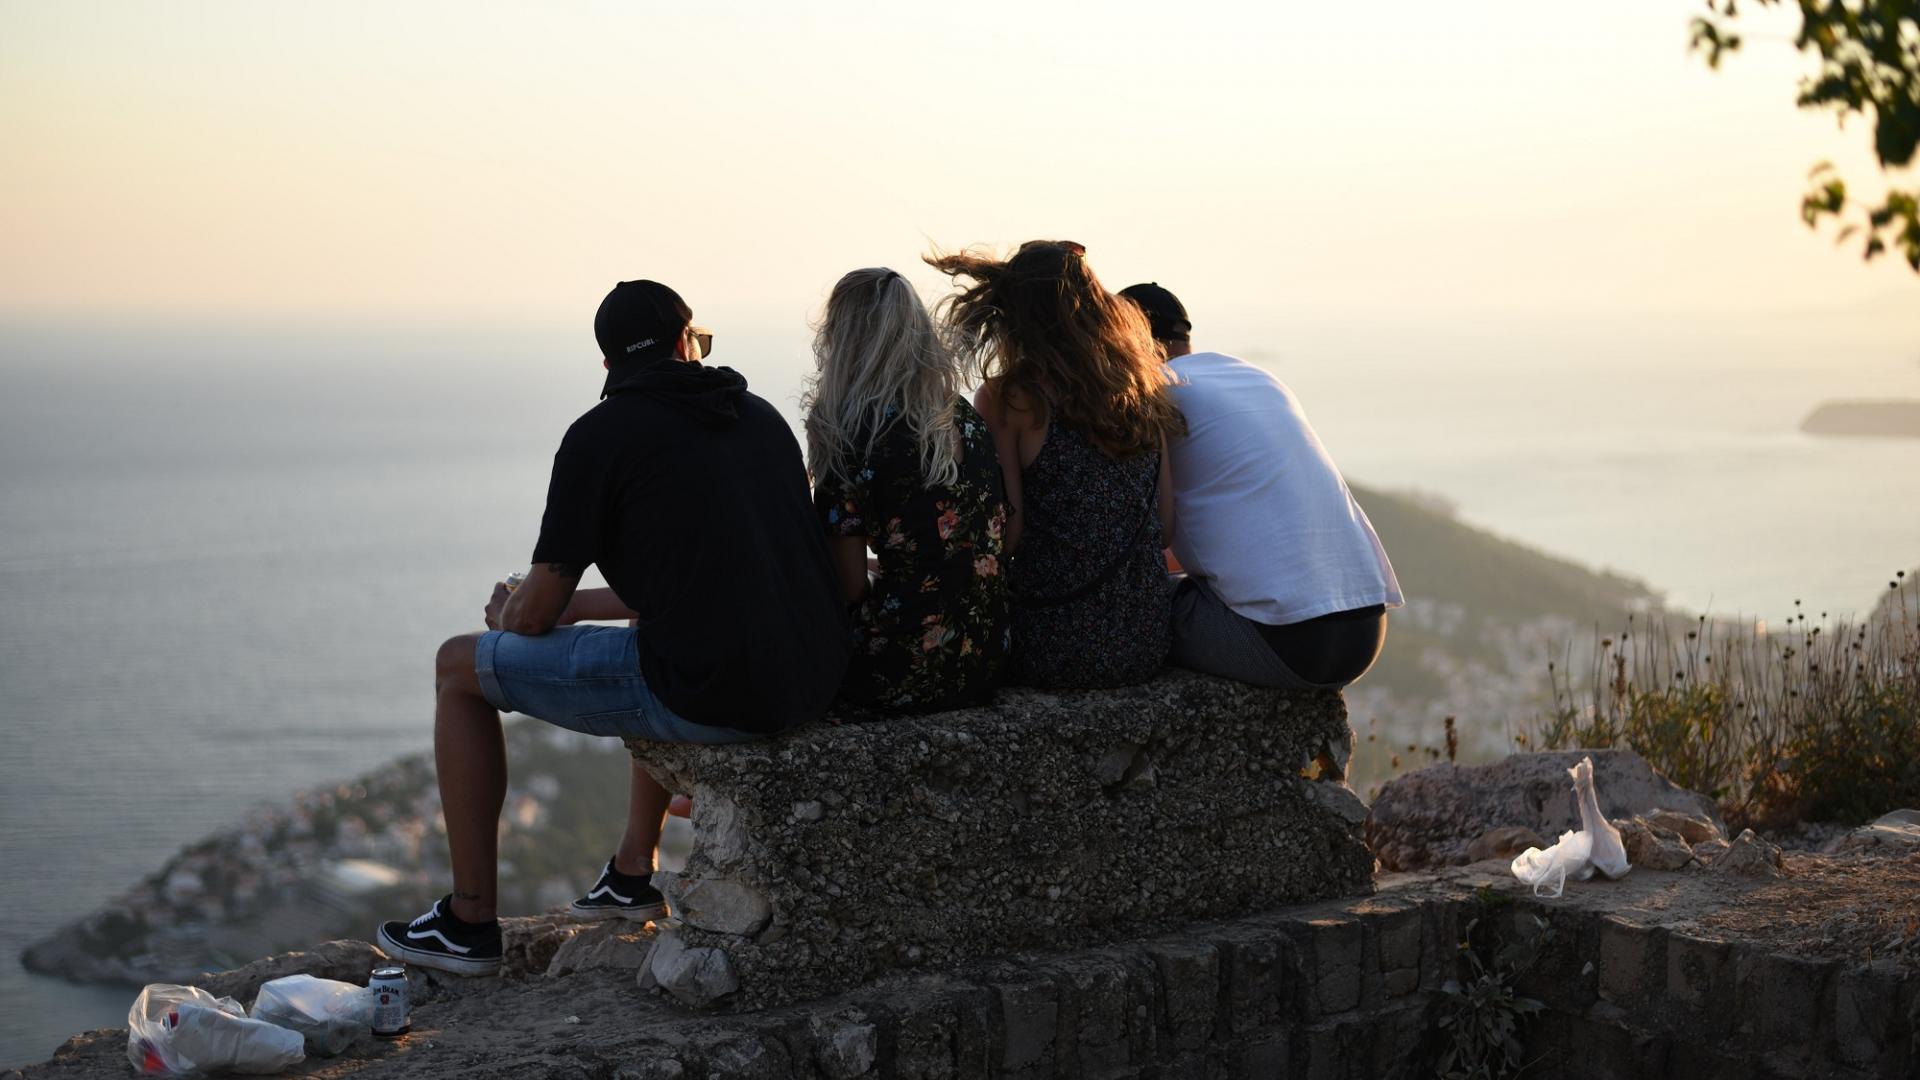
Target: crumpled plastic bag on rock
x=1547, y=871
x=1596, y=846
x=1609, y=851
x=183, y=1030
x=330, y=1014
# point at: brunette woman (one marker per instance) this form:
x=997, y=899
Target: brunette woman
x=902, y=465
x=1072, y=389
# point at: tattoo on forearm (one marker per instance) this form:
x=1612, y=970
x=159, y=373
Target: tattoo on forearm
x=565, y=569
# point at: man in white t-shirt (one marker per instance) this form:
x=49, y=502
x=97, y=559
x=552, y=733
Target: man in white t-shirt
x=1286, y=583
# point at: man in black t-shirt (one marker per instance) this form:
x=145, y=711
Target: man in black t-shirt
x=690, y=495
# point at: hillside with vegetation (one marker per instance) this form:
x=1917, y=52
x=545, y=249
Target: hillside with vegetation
x=1453, y=562
x=1813, y=722
x=1484, y=617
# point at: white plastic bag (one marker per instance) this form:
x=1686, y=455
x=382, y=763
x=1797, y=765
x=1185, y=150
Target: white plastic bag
x=1609, y=853
x=182, y=1030
x=330, y=1014
x=1547, y=871
x=1597, y=846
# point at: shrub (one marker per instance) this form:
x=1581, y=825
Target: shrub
x=1481, y=1014
x=1811, y=722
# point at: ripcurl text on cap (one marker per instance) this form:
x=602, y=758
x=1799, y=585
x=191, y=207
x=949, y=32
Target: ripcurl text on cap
x=640, y=320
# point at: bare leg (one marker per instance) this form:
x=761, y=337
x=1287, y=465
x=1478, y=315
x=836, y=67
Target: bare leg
x=646, y=809
x=470, y=756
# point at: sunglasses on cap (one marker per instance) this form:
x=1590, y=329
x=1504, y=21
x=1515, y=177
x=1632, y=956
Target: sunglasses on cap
x=1071, y=247
x=702, y=341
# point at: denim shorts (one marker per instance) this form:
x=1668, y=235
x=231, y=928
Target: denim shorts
x=586, y=679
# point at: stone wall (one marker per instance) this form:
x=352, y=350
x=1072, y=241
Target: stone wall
x=1352, y=990
x=843, y=852
x=1321, y=991
x=1637, y=980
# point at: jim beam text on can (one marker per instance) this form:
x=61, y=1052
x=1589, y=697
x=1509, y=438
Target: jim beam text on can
x=389, y=986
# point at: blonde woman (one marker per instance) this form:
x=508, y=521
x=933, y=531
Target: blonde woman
x=903, y=466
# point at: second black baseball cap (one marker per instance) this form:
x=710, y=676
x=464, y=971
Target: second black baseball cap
x=640, y=320
x=1164, y=310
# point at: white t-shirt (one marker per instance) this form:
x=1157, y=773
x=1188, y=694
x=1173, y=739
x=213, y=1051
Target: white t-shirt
x=1262, y=512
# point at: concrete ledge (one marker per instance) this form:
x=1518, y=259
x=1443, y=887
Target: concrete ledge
x=840, y=853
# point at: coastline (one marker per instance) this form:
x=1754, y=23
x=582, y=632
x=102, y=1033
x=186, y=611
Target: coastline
x=332, y=861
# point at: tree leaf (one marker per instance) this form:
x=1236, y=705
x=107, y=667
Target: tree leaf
x=1867, y=66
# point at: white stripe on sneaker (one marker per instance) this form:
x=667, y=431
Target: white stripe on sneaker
x=607, y=890
x=422, y=935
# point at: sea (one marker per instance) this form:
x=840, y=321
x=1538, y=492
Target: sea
x=227, y=553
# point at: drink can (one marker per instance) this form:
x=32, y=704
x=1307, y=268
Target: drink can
x=389, y=988
x=516, y=579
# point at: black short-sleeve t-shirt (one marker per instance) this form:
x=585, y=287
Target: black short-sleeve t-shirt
x=689, y=493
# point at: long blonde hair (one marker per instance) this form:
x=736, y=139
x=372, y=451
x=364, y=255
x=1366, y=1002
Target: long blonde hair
x=876, y=350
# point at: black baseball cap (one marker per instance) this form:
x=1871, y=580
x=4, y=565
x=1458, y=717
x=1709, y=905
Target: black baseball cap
x=640, y=320
x=1164, y=310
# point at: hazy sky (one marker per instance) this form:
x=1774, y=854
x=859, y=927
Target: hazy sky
x=425, y=161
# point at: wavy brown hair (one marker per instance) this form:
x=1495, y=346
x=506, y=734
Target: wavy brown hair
x=1040, y=323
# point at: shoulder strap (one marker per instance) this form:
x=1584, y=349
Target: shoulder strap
x=1105, y=573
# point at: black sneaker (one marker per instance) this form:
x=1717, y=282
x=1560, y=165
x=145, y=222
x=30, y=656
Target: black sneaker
x=620, y=896
x=440, y=940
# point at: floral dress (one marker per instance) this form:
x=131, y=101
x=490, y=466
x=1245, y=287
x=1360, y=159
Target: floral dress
x=1093, y=605
x=932, y=632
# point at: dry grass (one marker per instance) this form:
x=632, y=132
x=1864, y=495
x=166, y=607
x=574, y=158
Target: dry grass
x=1812, y=722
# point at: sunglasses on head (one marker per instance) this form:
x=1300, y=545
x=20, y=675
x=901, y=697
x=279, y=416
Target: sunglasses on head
x=702, y=337
x=1071, y=247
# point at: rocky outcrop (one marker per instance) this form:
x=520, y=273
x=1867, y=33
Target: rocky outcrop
x=1653, y=845
x=1434, y=816
x=842, y=852
x=1897, y=833
x=1749, y=856
x=335, y=860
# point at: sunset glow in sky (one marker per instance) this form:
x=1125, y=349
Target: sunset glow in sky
x=434, y=161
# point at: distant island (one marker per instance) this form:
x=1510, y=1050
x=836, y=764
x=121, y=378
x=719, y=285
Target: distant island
x=1899, y=419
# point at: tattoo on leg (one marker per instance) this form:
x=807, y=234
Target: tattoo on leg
x=473, y=896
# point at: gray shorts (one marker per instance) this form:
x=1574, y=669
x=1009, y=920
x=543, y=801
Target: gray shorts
x=1209, y=636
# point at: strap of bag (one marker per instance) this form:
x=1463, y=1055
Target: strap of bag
x=1106, y=573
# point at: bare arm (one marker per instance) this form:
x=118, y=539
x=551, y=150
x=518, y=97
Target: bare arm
x=536, y=606
x=595, y=605
x=1166, y=495
x=1001, y=424
x=850, y=566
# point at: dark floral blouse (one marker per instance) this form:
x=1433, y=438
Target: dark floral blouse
x=933, y=630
